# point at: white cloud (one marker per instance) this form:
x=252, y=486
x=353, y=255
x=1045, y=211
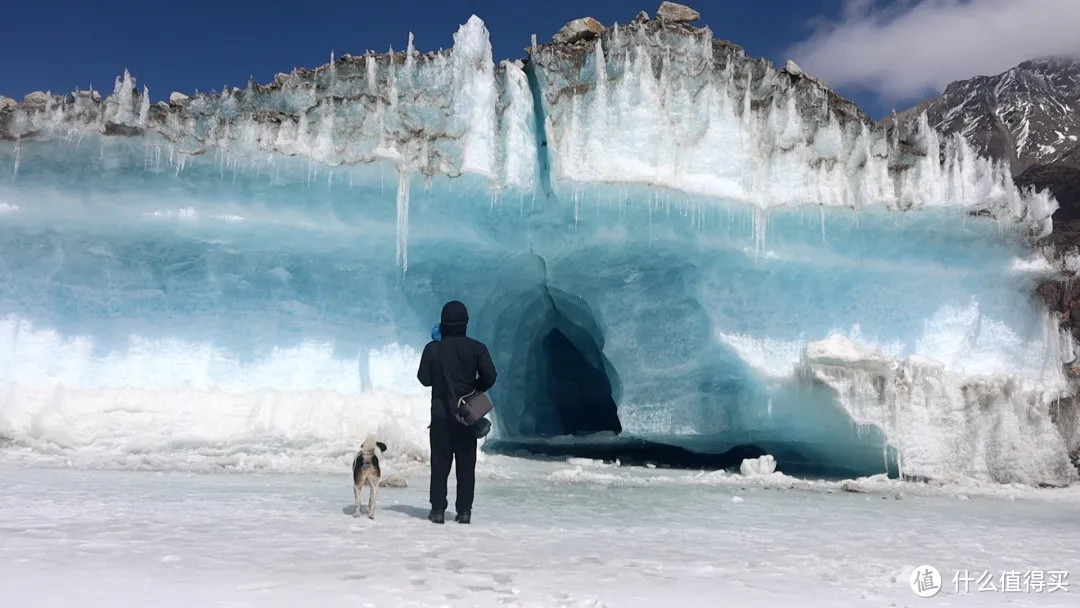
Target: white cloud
x=912, y=48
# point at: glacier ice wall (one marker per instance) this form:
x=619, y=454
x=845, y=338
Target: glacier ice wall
x=245, y=279
x=647, y=103
x=436, y=113
x=672, y=106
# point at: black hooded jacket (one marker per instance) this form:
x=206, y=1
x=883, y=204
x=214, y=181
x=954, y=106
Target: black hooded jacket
x=467, y=360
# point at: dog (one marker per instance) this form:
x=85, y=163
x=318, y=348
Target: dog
x=365, y=471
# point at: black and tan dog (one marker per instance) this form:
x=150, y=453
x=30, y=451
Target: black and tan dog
x=365, y=471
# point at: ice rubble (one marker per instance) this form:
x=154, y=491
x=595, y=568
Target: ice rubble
x=946, y=424
x=650, y=103
x=758, y=467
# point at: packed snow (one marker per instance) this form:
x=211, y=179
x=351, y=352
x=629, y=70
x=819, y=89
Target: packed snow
x=538, y=538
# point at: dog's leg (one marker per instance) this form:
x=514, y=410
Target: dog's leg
x=371, y=501
x=356, y=493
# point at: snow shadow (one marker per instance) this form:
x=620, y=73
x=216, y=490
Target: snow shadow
x=410, y=510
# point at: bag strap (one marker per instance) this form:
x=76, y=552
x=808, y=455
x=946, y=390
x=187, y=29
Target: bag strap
x=452, y=397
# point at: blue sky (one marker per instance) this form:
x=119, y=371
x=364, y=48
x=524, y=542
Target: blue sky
x=199, y=44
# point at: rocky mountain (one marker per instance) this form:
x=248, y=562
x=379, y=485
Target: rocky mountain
x=1028, y=115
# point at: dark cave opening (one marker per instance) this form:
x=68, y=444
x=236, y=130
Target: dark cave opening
x=578, y=391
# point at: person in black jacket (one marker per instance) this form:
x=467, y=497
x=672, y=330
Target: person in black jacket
x=469, y=366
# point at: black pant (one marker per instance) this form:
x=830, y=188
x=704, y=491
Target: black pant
x=449, y=440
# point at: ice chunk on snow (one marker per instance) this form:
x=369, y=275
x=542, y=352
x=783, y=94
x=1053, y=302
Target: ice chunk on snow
x=853, y=486
x=758, y=467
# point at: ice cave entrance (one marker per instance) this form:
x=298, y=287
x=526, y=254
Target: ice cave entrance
x=558, y=395
x=563, y=386
x=578, y=391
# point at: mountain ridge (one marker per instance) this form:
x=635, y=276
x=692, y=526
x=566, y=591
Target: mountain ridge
x=1028, y=115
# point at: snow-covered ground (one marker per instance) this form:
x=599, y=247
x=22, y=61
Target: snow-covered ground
x=544, y=534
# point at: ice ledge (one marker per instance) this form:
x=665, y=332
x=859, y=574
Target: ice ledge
x=448, y=113
x=656, y=102
x=944, y=424
x=666, y=104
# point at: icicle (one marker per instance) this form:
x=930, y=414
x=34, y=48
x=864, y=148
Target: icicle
x=323, y=148
x=760, y=228
x=403, y=218
x=707, y=53
x=391, y=81
x=409, y=60
x=301, y=130
x=601, y=66
x=144, y=107
x=746, y=105
x=822, y=208
x=599, y=122
x=18, y=158
x=372, y=78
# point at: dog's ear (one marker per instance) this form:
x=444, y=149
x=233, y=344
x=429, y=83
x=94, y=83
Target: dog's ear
x=382, y=446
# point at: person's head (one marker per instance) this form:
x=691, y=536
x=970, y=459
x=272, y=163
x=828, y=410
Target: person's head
x=454, y=320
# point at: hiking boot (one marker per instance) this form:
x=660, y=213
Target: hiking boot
x=463, y=517
x=436, y=517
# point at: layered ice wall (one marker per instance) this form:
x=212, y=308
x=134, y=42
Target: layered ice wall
x=444, y=113
x=666, y=105
x=656, y=235
x=670, y=107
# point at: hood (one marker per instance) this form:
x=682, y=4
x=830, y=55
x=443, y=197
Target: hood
x=454, y=319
